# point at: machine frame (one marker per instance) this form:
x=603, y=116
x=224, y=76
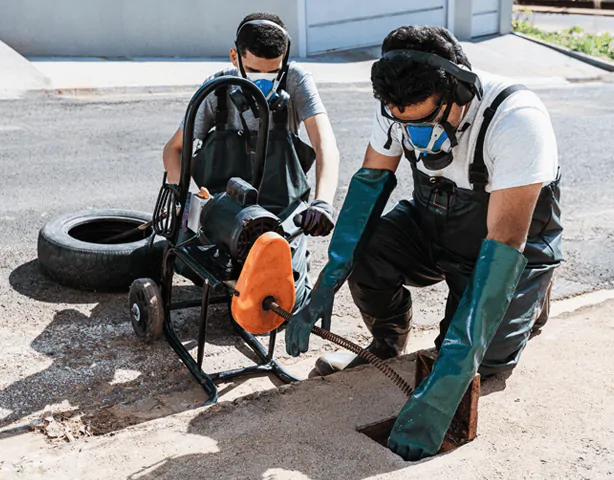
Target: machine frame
x=214, y=270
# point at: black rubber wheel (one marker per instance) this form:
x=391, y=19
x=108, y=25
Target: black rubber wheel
x=71, y=250
x=146, y=310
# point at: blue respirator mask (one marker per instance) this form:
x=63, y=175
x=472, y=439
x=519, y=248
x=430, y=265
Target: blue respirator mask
x=268, y=83
x=432, y=137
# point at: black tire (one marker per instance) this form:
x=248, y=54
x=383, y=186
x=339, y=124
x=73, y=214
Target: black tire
x=146, y=310
x=68, y=251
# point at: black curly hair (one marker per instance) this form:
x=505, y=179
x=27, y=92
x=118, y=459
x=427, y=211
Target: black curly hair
x=264, y=41
x=401, y=82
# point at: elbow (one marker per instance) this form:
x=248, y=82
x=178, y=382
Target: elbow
x=170, y=152
x=166, y=153
x=168, y=148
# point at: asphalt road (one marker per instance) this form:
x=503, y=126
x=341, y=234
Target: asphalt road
x=63, y=155
x=65, y=349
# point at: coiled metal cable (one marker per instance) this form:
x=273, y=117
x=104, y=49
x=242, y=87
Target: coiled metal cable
x=352, y=347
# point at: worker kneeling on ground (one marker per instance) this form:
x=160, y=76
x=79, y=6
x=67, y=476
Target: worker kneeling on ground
x=224, y=124
x=486, y=191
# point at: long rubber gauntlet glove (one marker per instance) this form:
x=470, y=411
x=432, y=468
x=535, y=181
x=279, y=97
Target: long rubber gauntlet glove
x=364, y=203
x=424, y=420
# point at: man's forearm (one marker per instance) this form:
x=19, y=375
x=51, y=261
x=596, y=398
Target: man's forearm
x=509, y=214
x=327, y=173
x=322, y=138
x=172, y=163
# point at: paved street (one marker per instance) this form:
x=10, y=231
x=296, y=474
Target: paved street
x=64, y=349
x=74, y=376
x=65, y=155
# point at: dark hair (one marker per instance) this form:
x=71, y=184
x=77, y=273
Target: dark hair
x=264, y=41
x=400, y=81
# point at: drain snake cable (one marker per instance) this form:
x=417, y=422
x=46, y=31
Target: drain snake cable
x=270, y=304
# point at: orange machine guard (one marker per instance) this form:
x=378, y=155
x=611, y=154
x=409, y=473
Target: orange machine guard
x=267, y=272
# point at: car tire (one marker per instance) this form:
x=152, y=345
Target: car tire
x=71, y=250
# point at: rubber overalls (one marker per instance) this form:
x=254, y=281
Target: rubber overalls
x=227, y=152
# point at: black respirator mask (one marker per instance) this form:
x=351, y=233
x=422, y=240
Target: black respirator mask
x=433, y=137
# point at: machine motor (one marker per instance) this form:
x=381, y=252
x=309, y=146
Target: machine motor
x=233, y=221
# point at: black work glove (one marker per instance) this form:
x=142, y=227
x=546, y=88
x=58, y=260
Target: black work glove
x=317, y=220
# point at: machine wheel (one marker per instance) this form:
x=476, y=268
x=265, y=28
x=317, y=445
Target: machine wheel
x=146, y=309
x=72, y=250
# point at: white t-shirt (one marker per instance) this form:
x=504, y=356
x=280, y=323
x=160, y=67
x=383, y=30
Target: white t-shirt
x=519, y=148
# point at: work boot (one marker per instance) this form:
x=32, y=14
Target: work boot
x=389, y=339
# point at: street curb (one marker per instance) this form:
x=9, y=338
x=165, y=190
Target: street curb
x=558, y=307
x=100, y=91
x=76, y=92
x=594, y=61
x=572, y=304
x=564, y=10
x=141, y=90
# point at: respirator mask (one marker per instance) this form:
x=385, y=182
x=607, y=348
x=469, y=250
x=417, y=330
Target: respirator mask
x=270, y=84
x=432, y=137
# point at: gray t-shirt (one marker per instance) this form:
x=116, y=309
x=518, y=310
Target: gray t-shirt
x=304, y=102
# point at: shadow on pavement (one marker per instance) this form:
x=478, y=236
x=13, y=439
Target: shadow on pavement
x=94, y=368
x=495, y=383
x=29, y=281
x=279, y=437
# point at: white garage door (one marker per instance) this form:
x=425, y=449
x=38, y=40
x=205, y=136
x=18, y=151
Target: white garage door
x=485, y=18
x=345, y=24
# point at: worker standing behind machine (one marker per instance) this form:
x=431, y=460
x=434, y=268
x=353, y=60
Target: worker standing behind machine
x=223, y=126
x=484, y=218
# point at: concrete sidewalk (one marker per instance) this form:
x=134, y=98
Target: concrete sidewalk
x=508, y=56
x=550, y=419
x=18, y=75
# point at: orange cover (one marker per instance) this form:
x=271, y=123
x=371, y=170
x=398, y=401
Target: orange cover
x=267, y=272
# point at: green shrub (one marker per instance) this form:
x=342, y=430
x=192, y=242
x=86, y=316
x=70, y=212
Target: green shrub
x=573, y=38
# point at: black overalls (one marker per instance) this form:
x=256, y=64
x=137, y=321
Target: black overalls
x=227, y=153
x=437, y=236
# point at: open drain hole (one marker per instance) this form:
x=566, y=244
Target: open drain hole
x=463, y=428
x=378, y=431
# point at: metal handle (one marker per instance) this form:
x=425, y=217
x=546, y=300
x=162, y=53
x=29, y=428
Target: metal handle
x=188, y=131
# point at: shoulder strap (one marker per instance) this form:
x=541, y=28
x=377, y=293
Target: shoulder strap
x=478, y=173
x=280, y=117
x=221, y=112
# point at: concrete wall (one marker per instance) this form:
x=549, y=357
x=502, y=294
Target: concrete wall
x=485, y=18
x=132, y=28
x=475, y=18
x=505, y=16
x=206, y=28
x=347, y=24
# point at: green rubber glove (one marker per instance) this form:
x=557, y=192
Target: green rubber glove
x=299, y=327
x=364, y=203
x=424, y=420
